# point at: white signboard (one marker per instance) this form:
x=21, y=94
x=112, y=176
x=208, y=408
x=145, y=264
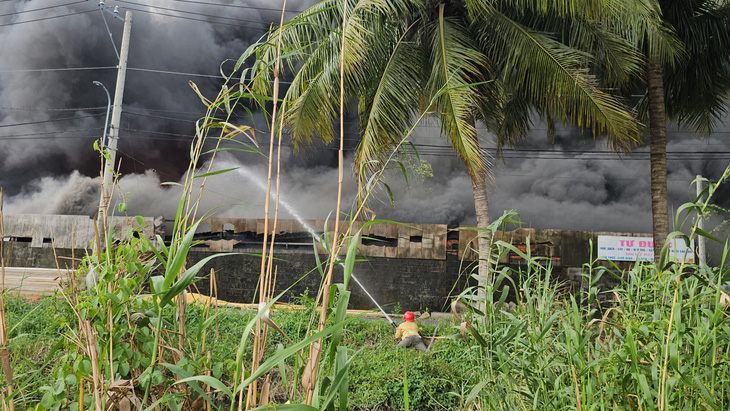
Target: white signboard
x=640, y=248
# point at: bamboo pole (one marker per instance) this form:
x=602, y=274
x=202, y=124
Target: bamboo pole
x=4, y=352
x=263, y=283
x=335, y=238
x=94, y=356
x=208, y=373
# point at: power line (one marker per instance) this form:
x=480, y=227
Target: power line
x=606, y=178
x=175, y=73
x=49, y=121
x=188, y=12
x=432, y=149
x=179, y=73
x=47, y=18
x=517, y=154
x=57, y=69
x=236, y=6
x=44, y=136
x=160, y=110
x=180, y=137
x=53, y=109
x=42, y=8
x=194, y=19
x=160, y=117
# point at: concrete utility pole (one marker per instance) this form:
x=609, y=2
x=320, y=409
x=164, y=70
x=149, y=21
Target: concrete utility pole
x=701, y=225
x=109, y=165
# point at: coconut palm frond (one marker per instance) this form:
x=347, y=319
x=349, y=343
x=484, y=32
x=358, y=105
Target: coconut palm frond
x=697, y=89
x=298, y=37
x=310, y=108
x=643, y=25
x=552, y=76
x=390, y=101
x=594, y=10
x=615, y=59
x=457, y=66
x=517, y=115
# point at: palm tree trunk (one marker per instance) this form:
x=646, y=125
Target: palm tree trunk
x=658, y=157
x=481, y=205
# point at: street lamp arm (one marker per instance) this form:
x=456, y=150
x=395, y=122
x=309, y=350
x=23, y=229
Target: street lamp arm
x=108, y=108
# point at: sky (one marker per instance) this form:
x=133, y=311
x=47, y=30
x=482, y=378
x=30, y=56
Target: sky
x=51, y=52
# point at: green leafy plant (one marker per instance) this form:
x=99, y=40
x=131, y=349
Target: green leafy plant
x=655, y=340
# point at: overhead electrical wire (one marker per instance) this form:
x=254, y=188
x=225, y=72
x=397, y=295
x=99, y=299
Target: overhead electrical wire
x=161, y=117
x=48, y=18
x=49, y=121
x=194, y=19
x=43, y=135
x=161, y=110
x=53, y=109
x=263, y=24
x=174, y=72
x=235, y=6
x=58, y=69
x=443, y=151
x=42, y=8
x=179, y=73
x=424, y=149
x=194, y=13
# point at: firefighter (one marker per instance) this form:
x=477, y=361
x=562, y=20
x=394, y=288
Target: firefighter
x=408, y=333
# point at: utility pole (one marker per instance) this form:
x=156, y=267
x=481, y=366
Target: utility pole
x=701, y=259
x=109, y=164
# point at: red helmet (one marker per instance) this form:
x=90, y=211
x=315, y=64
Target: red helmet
x=408, y=316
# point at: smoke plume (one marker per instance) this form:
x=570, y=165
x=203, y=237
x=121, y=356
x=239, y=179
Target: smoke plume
x=51, y=51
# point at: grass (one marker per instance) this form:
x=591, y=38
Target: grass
x=433, y=374
x=552, y=351
x=35, y=327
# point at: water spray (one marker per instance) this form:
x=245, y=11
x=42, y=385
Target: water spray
x=352, y=275
x=311, y=231
x=390, y=320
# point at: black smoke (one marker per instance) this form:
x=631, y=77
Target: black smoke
x=47, y=164
x=51, y=52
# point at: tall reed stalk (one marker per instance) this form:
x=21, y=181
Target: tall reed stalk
x=315, y=349
x=656, y=340
x=7, y=394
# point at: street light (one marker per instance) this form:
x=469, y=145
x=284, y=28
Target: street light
x=103, y=200
x=108, y=107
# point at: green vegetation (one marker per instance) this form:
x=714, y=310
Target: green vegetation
x=660, y=339
x=125, y=337
x=625, y=351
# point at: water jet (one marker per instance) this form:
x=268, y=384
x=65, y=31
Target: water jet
x=245, y=172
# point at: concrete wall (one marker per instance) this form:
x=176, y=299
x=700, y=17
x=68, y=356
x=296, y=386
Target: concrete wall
x=21, y=254
x=413, y=284
x=426, y=241
x=415, y=266
x=64, y=231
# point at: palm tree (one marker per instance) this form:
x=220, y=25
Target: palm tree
x=466, y=61
x=692, y=90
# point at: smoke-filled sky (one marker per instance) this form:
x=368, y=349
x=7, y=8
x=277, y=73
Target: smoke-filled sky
x=51, y=51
